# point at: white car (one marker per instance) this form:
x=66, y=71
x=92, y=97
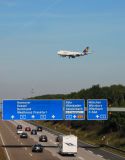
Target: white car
x=19, y=131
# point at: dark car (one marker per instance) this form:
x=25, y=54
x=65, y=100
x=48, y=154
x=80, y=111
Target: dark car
x=27, y=129
x=43, y=138
x=39, y=128
x=34, y=132
x=19, y=126
x=37, y=148
x=23, y=135
x=57, y=139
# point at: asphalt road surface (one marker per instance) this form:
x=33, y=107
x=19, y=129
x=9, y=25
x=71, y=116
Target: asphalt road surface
x=9, y=137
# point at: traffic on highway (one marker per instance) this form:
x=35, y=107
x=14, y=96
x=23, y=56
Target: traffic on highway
x=24, y=140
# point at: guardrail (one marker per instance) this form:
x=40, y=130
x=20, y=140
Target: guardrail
x=104, y=145
x=21, y=146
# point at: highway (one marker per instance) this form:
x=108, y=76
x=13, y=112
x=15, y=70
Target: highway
x=9, y=137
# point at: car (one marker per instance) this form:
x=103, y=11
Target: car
x=43, y=138
x=34, y=132
x=24, y=135
x=19, y=131
x=57, y=139
x=39, y=128
x=27, y=129
x=19, y=126
x=37, y=148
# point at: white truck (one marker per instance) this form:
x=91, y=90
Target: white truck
x=68, y=145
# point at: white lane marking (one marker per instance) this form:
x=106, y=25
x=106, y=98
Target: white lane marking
x=25, y=148
x=52, y=141
x=81, y=158
x=8, y=157
x=99, y=155
x=55, y=143
x=30, y=154
x=90, y=151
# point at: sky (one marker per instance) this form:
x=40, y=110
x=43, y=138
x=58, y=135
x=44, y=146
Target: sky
x=32, y=32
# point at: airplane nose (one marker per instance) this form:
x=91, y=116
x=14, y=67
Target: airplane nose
x=58, y=52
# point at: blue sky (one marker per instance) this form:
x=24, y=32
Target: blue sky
x=31, y=33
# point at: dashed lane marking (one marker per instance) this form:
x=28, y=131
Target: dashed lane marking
x=90, y=151
x=99, y=155
x=25, y=148
x=8, y=157
x=81, y=158
x=30, y=154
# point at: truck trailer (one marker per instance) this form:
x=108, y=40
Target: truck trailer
x=68, y=145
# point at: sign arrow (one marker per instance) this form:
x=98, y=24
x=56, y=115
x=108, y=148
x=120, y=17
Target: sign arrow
x=74, y=116
x=33, y=116
x=53, y=116
x=97, y=116
x=12, y=117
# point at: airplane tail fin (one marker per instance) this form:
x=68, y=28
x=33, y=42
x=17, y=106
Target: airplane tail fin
x=85, y=51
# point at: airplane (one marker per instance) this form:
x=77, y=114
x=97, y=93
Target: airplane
x=72, y=54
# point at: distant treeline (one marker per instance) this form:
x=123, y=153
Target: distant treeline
x=116, y=98
x=115, y=94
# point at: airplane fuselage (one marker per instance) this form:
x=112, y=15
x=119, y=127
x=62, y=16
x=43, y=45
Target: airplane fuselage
x=72, y=54
x=69, y=54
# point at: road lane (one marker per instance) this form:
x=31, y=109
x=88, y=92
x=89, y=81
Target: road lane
x=8, y=133
x=95, y=154
x=3, y=151
x=82, y=153
x=8, y=138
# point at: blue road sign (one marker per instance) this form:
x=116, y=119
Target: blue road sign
x=74, y=109
x=32, y=110
x=97, y=109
